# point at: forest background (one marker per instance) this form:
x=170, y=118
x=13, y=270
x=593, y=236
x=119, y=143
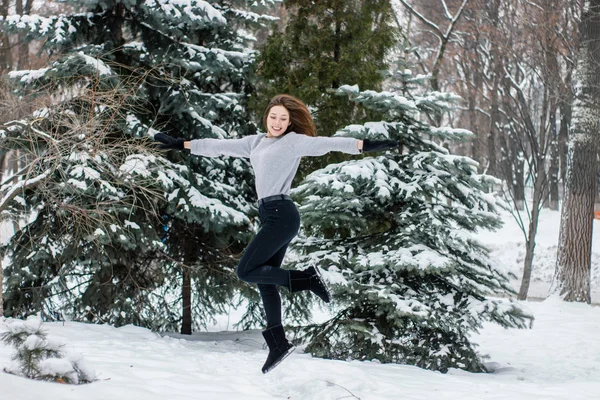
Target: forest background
x=524, y=71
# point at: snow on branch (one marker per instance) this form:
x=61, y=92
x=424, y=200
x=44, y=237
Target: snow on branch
x=58, y=28
x=196, y=51
x=254, y=17
x=41, y=357
x=13, y=190
x=28, y=76
x=195, y=10
x=72, y=160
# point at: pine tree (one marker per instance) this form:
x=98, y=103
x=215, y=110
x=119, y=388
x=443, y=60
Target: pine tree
x=395, y=233
x=41, y=357
x=181, y=67
x=327, y=43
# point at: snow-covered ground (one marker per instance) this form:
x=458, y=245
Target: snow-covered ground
x=559, y=358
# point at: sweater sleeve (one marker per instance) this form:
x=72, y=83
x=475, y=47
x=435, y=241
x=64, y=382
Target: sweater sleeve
x=223, y=147
x=303, y=145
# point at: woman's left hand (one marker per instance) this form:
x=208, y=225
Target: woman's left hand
x=379, y=145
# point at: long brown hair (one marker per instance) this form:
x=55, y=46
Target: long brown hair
x=300, y=119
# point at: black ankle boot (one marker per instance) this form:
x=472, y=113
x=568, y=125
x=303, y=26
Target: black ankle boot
x=279, y=347
x=310, y=279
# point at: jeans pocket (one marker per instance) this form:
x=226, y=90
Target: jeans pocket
x=272, y=205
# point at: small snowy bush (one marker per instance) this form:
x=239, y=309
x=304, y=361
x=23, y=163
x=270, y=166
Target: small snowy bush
x=40, y=357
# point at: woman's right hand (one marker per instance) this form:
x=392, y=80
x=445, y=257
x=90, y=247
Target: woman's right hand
x=169, y=142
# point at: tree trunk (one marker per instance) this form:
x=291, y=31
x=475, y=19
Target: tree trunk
x=573, y=267
x=23, y=7
x=5, y=54
x=186, y=294
x=518, y=177
x=337, y=49
x=494, y=106
x=554, y=163
x=1, y=288
x=538, y=191
x=475, y=145
x=597, y=201
x=491, y=138
x=563, y=134
x=554, y=90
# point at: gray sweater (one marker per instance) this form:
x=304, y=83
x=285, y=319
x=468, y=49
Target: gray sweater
x=274, y=160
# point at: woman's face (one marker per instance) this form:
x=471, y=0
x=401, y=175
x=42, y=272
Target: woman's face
x=278, y=121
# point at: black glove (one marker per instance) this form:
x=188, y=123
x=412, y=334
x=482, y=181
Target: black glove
x=168, y=142
x=379, y=145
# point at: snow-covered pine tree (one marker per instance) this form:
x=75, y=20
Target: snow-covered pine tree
x=183, y=67
x=397, y=236
x=324, y=44
x=41, y=357
x=90, y=199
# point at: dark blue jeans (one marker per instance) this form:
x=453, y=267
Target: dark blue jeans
x=261, y=262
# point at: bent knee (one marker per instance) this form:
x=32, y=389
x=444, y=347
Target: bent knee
x=241, y=272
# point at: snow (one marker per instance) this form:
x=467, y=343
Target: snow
x=447, y=131
x=99, y=232
x=137, y=164
x=28, y=76
x=190, y=8
x=60, y=23
x=558, y=359
x=378, y=128
x=85, y=172
x=33, y=342
x=350, y=89
x=132, y=225
x=139, y=46
x=98, y=65
x=81, y=185
x=24, y=184
x=56, y=367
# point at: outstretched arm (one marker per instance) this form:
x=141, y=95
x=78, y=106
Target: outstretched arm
x=208, y=147
x=302, y=145
x=221, y=147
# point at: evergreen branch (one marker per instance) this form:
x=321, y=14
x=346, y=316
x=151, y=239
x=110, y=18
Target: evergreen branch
x=90, y=133
x=22, y=186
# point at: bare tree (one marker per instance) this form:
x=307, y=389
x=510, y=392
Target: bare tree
x=442, y=35
x=573, y=266
x=535, y=81
x=533, y=141
x=57, y=134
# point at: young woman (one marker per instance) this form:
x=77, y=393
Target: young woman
x=275, y=157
